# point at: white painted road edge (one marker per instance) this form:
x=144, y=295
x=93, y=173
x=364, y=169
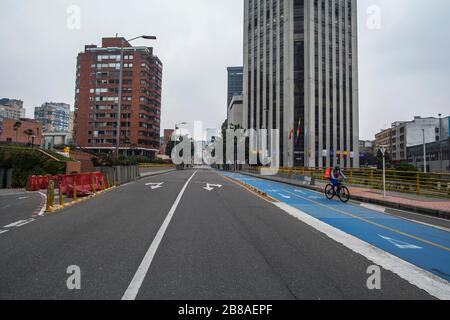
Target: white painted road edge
x=138, y=279
x=420, y=278
x=42, y=211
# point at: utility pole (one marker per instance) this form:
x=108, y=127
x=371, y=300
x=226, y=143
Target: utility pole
x=441, y=152
x=383, y=152
x=424, y=152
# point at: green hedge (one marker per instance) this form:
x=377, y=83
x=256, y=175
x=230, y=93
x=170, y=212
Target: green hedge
x=26, y=162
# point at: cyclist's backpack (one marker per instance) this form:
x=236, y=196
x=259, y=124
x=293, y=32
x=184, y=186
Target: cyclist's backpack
x=328, y=173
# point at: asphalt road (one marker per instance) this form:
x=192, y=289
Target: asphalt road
x=18, y=206
x=167, y=237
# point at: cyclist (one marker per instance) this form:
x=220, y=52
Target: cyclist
x=335, y=176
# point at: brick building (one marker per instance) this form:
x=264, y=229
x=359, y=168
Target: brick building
x=97, y=97
x=28, y=131
x=165, y=139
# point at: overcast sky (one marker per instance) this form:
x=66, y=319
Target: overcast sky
x=404, y=65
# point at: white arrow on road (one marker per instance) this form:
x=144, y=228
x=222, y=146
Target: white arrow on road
x=284, y=196
x=400, y=244
x=210, y=187
x=155, y=185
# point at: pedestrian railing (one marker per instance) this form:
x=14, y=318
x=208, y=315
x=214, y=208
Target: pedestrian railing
x=430, y=184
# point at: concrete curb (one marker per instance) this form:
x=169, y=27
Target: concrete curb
x=152, y=175
x=399, y=206
x=253, y=190
x=72, y=203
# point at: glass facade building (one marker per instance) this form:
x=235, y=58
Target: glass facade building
x=300, y=76
x=235, y=77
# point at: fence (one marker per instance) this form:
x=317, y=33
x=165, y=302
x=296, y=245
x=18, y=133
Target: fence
x=120, y=174
x=155, y=165
x=430, y=184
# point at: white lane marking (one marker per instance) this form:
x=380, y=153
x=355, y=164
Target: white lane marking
x=12, y=225
x=210, y=187
x=373, y=207
x=7, y=206
x=420, y=278
x=3, y=231
x=135, y=285
x=400, y=244
x=42, y=211
x=25, y=222
x=19, y=223
x=284, y=196
x=155, y=185
x=23, y=198
x=299, y=191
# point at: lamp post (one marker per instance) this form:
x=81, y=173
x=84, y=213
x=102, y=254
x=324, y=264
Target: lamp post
x=424, y=152
x=383, y=152
x=119, y=107
x=441, y=155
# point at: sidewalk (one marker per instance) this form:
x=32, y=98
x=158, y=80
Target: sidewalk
x=437, y=207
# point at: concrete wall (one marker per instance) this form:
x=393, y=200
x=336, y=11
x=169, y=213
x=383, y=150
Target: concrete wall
x=120, y=174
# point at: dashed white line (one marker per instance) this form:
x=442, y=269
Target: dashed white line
x=138, y=279
x=19, y=223
x=3, y=231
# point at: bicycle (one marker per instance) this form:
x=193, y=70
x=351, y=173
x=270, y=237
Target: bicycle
x=342, y=192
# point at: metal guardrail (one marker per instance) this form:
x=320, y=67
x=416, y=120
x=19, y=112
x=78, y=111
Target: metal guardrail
x=430, y=184
x=156, y=165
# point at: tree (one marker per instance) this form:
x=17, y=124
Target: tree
x=16, y=128
x=379, y=160
x=29, y=133
x=169, y=147
x=405, y=166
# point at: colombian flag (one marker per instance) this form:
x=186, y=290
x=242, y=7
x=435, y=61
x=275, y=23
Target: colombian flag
x=297, y=137
x=291, y=133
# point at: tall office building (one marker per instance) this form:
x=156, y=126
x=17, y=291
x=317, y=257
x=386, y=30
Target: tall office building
x=54, y=117
x=235, y=78
x=97, y=98
x=11, y=109
x=301, y=77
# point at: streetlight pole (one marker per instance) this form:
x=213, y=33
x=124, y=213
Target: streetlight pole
x=383, y=152
x=424, y=152
x=119, y=106
x=441, y=153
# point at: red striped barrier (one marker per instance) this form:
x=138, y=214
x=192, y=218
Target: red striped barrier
x=84, y=184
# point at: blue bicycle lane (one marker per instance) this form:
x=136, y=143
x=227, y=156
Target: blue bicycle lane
x=423, y=246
